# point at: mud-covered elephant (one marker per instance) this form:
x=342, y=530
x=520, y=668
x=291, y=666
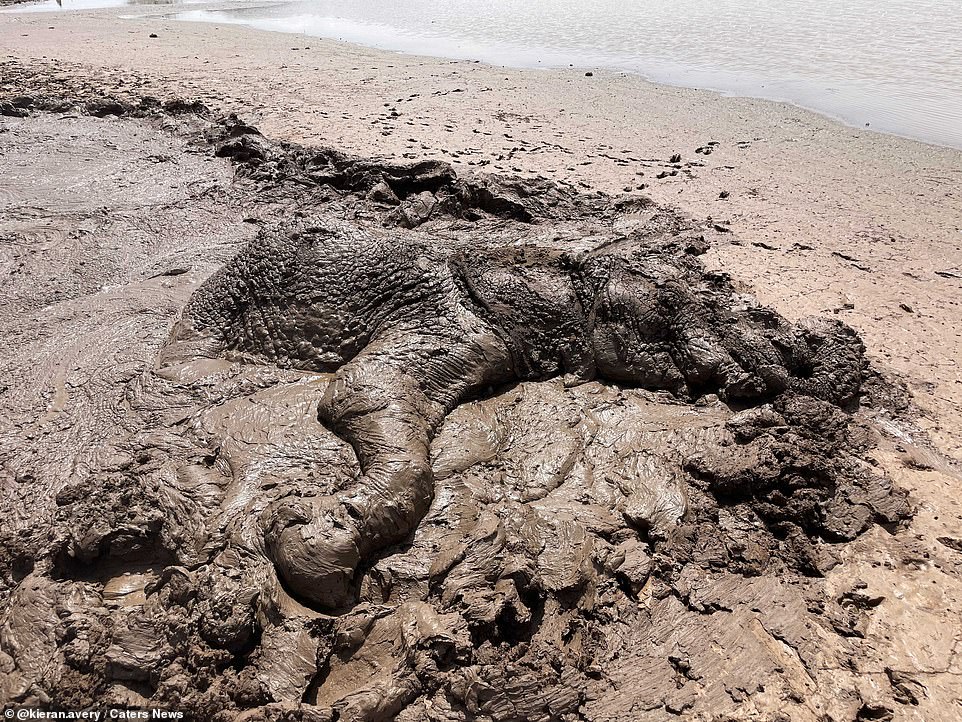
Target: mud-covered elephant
x=412, y=330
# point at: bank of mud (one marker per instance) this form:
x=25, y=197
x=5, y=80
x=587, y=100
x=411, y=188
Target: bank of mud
x=549, y=579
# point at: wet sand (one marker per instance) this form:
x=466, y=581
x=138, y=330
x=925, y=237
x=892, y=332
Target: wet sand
x=824, y=219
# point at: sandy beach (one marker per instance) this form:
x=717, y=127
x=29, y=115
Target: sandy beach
x=810, y=216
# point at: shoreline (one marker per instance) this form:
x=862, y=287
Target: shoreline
x=611, y=65
x=611, y=69
x=783, y=106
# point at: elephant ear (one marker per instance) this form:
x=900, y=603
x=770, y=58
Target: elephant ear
x=530, y=297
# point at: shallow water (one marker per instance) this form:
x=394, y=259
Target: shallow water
x=896, y=64
x=893, y=64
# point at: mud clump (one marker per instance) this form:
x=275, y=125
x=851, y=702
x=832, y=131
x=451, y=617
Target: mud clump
x=424, y=447
x=416, y=189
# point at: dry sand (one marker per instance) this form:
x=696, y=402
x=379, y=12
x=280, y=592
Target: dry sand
x=826, y=219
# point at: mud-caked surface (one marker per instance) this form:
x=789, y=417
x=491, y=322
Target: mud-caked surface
x=629, y=492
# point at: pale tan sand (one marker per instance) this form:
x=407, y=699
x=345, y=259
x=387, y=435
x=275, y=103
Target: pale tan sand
x=828, y=219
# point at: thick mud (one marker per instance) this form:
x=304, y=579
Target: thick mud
x=542, y=489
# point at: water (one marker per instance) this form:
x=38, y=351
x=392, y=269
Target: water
x=893, y=64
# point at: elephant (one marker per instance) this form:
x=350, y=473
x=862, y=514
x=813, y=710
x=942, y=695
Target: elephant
x=411, y=327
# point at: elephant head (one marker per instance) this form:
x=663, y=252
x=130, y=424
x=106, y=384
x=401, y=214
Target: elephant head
x=662, y=322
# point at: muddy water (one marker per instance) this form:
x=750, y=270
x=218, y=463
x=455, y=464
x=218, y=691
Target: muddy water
x=893, y=64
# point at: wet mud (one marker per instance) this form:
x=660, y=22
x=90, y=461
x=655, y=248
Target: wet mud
x=294, y=435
